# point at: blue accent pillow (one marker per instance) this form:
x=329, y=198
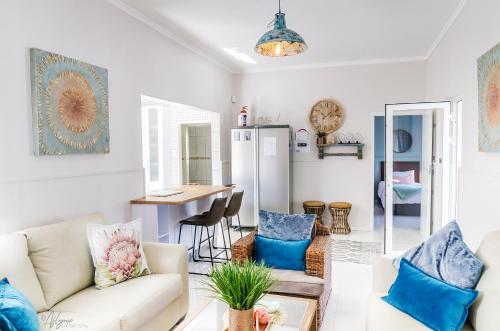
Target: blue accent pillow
x=445, y=256
x=16, y=312
x=286, y=226
x=434, y=303
x=281, y=254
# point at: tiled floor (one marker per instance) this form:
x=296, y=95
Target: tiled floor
x=351, y=287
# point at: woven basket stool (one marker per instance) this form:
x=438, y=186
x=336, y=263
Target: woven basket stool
x=315, y=207
x=340, y=212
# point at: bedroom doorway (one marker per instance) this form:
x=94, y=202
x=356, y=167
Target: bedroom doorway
x=415, y=174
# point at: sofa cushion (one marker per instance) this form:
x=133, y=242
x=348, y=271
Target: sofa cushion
x=117, y=252
x=383, y=317
x=484, y=314
x=445, y=256
x=285, y=226
x=61, y=257
x=66, y=321
x=437, y=304
x=16, y=312
x=16, y=265
x=281, y=254
x=135, y=301
x=296, y=283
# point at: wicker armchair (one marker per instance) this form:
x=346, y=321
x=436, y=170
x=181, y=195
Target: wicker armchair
x=318, y=264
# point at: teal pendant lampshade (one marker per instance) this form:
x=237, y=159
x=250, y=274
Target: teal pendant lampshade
x=280, y=41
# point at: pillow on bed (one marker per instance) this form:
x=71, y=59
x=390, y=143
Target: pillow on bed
x=404, y=177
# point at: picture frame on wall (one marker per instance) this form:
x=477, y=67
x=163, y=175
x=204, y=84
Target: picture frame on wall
x=489, y=100
x=69, y=104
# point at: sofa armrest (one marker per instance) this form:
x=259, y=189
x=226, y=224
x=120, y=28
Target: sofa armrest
x=318, y=257
x=242, y=249
x=384, y=275
x=166, y=258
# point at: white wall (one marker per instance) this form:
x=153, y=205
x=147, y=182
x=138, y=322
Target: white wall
x=361, y=90
x=37, y=190
x=452, y=72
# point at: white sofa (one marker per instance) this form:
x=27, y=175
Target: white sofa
x=484, y=315
x=52, y=266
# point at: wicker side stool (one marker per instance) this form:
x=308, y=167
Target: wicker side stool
x=340, y=212
x=317, y=208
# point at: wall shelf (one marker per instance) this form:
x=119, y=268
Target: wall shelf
x=322, y=153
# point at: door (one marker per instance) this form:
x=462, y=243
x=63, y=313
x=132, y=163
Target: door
x=410, y=140
x=274, y=169
x=244, y=173
x=196, y=153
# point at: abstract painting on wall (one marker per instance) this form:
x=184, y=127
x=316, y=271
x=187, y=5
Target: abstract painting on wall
x=70, y=105
x=489, y=100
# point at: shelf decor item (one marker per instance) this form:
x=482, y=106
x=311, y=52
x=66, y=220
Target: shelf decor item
x=488, y=73
x=240, y=286
x=280, y=41
x=321, y=137
x=70, y=105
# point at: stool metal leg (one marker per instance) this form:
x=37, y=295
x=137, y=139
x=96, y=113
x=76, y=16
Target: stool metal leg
x=209, y=247
x=239, y=224
x=228, y=232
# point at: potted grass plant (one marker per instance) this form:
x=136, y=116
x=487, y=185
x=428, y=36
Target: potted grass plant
x=240, y=286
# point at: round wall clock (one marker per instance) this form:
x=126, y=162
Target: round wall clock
x=326, y=116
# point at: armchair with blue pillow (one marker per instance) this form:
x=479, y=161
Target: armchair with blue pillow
x=439, y=285
x=298, y=252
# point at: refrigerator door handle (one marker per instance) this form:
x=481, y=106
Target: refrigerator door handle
x=256, y=176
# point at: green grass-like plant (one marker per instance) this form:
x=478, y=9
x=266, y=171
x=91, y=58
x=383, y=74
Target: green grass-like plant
x=240, y=285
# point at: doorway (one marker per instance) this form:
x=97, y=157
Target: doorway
x=181, y=144
x=196, y=153
x=425, y=184
x=423, y=143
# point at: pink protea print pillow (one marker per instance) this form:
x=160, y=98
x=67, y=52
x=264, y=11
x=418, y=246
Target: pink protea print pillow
x=117, y=252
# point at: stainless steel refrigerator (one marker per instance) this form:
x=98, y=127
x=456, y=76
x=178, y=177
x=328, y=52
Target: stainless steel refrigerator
x=262, y=167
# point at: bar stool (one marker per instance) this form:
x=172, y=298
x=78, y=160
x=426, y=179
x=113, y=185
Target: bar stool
x=206, y=220
x=340, y=212
x=317, y=208
x=232, y=209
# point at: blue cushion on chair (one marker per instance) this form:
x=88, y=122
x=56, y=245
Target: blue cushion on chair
x=281, y=254
x=445, y=256
x=16, y=312
x=286, y=226
x=438, y=305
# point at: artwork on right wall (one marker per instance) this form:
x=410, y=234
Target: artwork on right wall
x=488, y=67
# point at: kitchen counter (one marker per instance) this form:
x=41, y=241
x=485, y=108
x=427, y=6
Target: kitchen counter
x=189, y=193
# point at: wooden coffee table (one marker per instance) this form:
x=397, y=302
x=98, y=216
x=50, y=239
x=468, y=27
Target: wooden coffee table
x=301, y=315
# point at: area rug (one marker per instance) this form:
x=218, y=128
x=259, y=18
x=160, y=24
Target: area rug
x=360, y=252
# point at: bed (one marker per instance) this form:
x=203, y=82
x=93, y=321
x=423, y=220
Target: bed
x=406, y=196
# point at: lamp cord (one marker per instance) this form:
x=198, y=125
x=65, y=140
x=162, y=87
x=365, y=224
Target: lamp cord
x=279, y=6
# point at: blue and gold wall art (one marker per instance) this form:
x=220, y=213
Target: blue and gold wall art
x=489, y=100
x=70, y=105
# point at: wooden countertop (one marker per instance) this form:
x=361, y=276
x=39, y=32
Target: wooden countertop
x=189, y=193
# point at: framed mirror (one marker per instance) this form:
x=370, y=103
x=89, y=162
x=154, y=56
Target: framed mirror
x=402, y=141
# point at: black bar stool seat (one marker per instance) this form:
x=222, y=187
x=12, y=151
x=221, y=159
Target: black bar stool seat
x=206, y=220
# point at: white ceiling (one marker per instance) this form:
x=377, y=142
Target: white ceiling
x=337, y=31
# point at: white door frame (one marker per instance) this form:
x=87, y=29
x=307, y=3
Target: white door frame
x=373, y=116
x=412, y=107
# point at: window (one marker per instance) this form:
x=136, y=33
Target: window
x=153, y=148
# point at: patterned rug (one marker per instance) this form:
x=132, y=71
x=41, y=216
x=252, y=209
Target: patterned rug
x=360, y=252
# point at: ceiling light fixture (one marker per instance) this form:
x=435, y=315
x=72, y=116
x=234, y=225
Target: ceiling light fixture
x=280, y=41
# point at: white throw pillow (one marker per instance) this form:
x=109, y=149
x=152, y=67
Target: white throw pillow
x=117, y=252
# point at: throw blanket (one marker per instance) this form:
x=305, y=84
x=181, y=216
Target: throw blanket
x=404, y=191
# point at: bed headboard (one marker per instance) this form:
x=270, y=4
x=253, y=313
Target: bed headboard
x=402, y=166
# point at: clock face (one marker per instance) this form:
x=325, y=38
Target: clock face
x=326, y=116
